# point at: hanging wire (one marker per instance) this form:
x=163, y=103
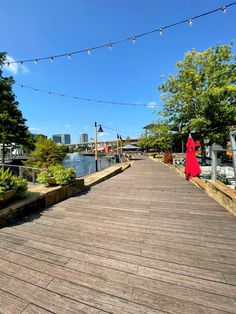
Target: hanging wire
x=119, y=131
x=110, y=102
x=132, y=38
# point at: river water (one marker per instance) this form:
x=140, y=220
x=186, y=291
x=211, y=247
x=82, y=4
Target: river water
x=85, y=164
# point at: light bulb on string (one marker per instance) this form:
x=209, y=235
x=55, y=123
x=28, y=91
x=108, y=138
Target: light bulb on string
x=36, y=61
x=22, y=62
x=223, y=9
x=52, y=59
x=160, y=31
x=134, y=39
x=110, y=46
x=89, y=51
x=69, y=56
x=190, y=22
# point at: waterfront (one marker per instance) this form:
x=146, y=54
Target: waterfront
x=86, y=164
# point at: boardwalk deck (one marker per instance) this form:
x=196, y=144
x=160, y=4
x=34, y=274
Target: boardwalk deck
x=145, y=241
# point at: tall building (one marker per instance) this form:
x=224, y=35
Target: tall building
x=83, y=138
x=61, y=138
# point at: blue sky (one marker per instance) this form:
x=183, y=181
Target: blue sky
x=127, y=73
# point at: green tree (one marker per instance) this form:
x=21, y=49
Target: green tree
x=46, y=153
x=36, y=136
x=143, y=143
x=162, y=137
x=159, y=137
x=127, y=140
x=201, y=96
x=13, y=129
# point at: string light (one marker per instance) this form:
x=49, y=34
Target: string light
x=133, y=38
x=111, y=102
x=52, y=59
x=119, y=131
x=110, y=46
x=190, y=22
x=224, y=9
x=36, y=61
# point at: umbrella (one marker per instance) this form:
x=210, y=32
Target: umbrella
x=192, y=168
x=129, y=147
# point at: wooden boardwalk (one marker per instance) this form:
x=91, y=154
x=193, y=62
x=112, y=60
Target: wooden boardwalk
x=146, y=241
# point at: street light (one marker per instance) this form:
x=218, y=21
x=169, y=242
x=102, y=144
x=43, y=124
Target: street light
x=100, y=130
x=118, y=138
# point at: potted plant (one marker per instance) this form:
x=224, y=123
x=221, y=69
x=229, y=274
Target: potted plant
x=11, y=185
x=46, y=177
x=57, y=175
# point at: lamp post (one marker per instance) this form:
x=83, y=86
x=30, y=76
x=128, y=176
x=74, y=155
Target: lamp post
x=118, y=138
x=100, y=130
x=120, y=144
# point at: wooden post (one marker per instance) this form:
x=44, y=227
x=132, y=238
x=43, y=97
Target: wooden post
x=20, y=172
x=33, y=176
x=233, y=145
x=213, y=164
x=96, y=146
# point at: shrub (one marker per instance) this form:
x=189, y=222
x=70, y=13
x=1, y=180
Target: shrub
x=61, y=175
x=44, y=175
x=21, y=186
x=9, y=182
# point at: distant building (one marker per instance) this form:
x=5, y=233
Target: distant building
x=61, y=138
x=83, y=138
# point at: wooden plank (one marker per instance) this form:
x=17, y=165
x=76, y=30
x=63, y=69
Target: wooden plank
x=196, y=290
x=34, y=309
x=43, y=298
x=85, y=257
x=171, y=305
x=145, y=241
x=87, y=280
x=10, y=304
x=103, y=301
x=24, y=273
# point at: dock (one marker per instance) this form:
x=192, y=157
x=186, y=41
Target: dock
x=142, y=242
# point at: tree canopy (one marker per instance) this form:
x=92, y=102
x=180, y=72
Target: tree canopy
x=47, y=153
x=158, y=137
x=12, y=124
x=201, y=96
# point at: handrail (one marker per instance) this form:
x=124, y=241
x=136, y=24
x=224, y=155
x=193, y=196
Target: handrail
x=27, y=167
x=33, y=169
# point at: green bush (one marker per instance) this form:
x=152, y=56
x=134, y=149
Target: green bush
x=61, y=175
x=9, y=182
x=44, y=175
x=21, y=186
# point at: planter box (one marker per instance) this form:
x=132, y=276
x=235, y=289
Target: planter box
x=7, y=196
x=52, y=181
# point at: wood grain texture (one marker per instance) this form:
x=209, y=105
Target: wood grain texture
x=145, y=241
